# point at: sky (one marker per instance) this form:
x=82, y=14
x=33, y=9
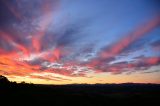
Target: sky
x=80, y=41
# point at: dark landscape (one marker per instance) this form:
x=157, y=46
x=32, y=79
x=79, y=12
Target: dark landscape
x=13, y=94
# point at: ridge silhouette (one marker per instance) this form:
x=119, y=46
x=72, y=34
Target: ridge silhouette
x=14, y=94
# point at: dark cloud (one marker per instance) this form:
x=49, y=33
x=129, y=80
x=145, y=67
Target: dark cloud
x=154, y=71
x=6, y=17
x=142, y=63
x=156, y=45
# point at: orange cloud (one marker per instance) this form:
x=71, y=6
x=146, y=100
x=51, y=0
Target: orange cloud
x=151, y=60
x=56, y=53
x=12, y=42
x=47, y=11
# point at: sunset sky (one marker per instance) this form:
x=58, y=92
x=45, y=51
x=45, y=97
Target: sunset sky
x=80, y=41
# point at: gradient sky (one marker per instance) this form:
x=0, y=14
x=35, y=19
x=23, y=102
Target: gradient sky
x=80, y=41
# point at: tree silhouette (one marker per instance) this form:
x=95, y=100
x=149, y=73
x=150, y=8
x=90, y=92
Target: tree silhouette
x=3, y=80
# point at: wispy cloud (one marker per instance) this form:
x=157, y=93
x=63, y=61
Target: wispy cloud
x=31, y=44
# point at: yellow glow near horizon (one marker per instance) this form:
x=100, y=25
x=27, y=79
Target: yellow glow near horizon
x=100, y=78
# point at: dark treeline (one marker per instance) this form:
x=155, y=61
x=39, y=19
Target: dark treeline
x=13, y=94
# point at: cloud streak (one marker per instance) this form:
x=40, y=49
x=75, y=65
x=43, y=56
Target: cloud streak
x=33, y=45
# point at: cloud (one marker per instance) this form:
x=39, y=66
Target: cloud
x=13, y=9
x=109, y=53
x=30, y=44
x=143, y=63
x=123, y=43
x=47, y=77
x=156, y=45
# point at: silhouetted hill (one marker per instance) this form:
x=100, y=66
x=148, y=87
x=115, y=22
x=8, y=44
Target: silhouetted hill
x=14, y=94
